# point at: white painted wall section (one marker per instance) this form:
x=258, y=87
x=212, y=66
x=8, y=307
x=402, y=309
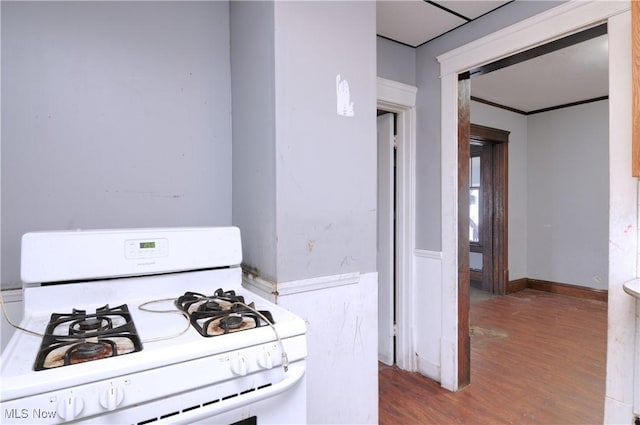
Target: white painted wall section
x=428, y=318
x=342, y=365
x=623, y=240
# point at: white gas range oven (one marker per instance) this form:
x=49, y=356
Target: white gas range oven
x=148, y=326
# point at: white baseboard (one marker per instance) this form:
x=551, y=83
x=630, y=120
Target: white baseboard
x=427, y=368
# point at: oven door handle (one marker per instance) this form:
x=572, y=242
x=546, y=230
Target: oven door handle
x=295, y=374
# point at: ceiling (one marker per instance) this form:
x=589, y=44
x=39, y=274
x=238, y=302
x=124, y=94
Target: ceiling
x=573, y=74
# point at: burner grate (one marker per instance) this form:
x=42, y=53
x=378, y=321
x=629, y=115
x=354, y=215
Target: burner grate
x=80, y=337
x=222, y=313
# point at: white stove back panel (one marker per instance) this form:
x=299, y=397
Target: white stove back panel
x=93, y=254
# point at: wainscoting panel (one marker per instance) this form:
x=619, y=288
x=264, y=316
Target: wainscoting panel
x=427, y=309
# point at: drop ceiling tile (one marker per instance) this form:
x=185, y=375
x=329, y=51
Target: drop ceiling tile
x=472, y=9
x=413, y=22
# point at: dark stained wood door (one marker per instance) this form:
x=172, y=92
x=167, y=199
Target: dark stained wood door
x=489, y=186
x=481, y=216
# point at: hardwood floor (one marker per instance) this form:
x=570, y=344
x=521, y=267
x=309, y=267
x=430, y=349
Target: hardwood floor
x=536, y=358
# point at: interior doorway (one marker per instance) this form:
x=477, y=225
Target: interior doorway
x=488, y=209
x=386, y=238
x=465, y=248
x=399, y=99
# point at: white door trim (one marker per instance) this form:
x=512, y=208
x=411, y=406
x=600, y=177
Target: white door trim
x=547, y=26
x=386, y=239
x=401, y=99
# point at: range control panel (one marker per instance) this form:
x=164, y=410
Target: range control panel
x=146, y=248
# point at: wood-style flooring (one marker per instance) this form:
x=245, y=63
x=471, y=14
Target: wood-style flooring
x=536, y=358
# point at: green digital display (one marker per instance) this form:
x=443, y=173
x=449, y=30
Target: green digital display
x=144, y=245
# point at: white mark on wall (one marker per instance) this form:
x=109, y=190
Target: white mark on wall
x=345, y=105
x=347, y=260
x=357, y=337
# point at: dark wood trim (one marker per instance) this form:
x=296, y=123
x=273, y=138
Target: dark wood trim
x=516, y=285
x=487, y=214
x=464, y=149
x=558, y=288
x=552, y=46
x=497, y=242
x=537, y=111
x=497, y=105
x=475, y=275
x=483, y=133
x=635, y=82
x=567, y=289
x=501, y=217
x=568, y=105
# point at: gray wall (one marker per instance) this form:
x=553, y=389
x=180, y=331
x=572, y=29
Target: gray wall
x=558, y=192
x=428, y=190
x=568, y=195
x=516, y=124
x=304, y=176
x=396, y=61
x=114, y=114
x=326, y=163
x=254, y=133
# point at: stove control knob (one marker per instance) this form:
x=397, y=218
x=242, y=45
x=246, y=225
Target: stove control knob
x=112, y=397
x=70, y=407
x=239, y=365
x=265, y=360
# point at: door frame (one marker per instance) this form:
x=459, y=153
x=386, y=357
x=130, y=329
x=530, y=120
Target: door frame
x=562, y=20
x=386, y=257
x=499, y=142
x=400, y=99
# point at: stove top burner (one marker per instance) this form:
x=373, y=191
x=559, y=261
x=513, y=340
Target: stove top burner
x=222, y=313
x=80, y=337
x=87, y=351
x=88, y=324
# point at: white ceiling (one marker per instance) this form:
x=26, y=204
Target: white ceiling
x=414, y=22
x=572, y=74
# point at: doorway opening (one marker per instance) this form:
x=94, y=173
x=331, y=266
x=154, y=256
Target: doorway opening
x=466, y=248
x=386, y=238
x=488, y=209
x=399, y=99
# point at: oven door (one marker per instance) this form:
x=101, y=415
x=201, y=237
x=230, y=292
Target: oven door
x=282, y=402
x=285, y=403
